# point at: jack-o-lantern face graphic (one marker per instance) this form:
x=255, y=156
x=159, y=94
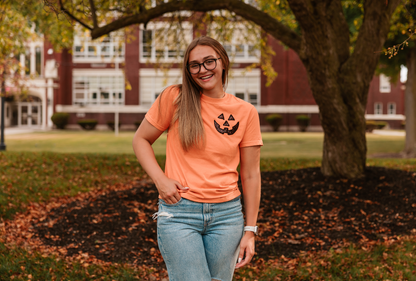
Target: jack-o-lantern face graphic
x=226, y=124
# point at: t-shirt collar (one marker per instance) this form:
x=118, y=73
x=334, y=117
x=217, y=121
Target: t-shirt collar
x=208, y=99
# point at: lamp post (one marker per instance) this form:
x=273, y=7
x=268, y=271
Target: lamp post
x=3, y=91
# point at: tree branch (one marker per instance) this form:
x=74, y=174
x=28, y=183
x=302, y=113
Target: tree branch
x=72, y=16
x=248, y=12
x=303, y=11
x=370, y=39
x=323, y=24
x=94, y=14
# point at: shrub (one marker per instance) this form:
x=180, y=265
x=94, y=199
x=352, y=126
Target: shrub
x=88, y=124
x=274, y=120
x=60, y=119
x=403, y=125
x=110, y=125
x=303, y=122
x=381, y=124
x=370, y=125
x=137, y=124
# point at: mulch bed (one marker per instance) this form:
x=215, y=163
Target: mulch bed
x=301, y=210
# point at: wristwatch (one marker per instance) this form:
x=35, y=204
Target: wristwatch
x=251, y=228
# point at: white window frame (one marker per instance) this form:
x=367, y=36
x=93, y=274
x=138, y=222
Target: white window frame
x=378, y=108
x=385, y=86
x=165, y=58
x=247, y=92
x=116, y=40
x=240, y=53
x=88, y=100
x=31, y=52
x=174, y=75
x=391, y=108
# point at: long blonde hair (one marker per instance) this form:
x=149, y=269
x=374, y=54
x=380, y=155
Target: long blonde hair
x=188, y=102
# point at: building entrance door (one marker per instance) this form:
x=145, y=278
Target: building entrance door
x=29, y=114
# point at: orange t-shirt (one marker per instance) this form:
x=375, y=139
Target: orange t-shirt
x=210, y=173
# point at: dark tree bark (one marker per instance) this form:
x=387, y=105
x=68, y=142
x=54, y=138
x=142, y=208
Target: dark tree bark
x=410, y=104
x=339, y=80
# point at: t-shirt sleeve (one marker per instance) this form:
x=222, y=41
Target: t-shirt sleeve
x=252, y=134
x=161, y=112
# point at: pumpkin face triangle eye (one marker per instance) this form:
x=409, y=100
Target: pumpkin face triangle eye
x=221, y=116
x=231, y=117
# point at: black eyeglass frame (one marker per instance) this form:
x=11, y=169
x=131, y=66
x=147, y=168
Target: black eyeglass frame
x=203, y=64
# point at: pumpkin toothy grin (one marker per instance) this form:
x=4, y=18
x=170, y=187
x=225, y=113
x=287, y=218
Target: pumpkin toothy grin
x=226, y=124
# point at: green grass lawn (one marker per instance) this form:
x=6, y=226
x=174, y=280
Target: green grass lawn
x=282, y=144
x=80, y=162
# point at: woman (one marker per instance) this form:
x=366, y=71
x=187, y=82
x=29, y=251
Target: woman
x=200, y=226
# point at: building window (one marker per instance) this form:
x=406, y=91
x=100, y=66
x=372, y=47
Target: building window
x=378, y=108
x=109, y=47
x=31, y=60
x=240, y=95
x=385, y=86
x=240, y=44
x=245, y=87
x=252, y=99
x=27, y=61
x=160, y=42
x=153, y=82
x=391, y=108
x=147, y=43
x=98, y=90
x=38, y=60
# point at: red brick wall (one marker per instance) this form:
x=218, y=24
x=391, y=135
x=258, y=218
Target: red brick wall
x=65, y=77
x=291, y=86
x=396, y=95
x=63, y=94
x=132, y=66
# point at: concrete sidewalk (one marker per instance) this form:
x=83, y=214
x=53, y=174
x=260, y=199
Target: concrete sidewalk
x=16, y=130
x=389, y=133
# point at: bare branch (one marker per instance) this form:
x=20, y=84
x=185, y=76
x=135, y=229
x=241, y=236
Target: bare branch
x=94, y=14
x=267, y=23
x=72, y=16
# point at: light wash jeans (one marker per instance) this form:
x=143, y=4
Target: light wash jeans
x=200, y=241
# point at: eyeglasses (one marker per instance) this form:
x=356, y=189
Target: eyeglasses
x=209, y=64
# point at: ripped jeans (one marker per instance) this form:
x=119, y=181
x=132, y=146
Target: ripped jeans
x=200, y=241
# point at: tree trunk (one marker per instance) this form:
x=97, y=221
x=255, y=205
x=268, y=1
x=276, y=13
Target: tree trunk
x=343, y=122
x=342, y=119
x=2, y=97
x=410, y=105
x=339, y=80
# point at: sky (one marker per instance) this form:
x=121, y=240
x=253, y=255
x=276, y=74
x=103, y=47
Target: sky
x=403, y=74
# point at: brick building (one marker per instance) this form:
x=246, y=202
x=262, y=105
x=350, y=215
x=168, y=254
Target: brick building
x=117, y=78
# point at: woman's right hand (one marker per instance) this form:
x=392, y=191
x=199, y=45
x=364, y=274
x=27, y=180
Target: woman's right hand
x=169, y=190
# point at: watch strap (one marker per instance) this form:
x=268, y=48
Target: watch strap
x=251, y=228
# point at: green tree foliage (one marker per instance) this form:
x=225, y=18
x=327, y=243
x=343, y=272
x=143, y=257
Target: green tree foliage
x=14, y=32
x=400, y=40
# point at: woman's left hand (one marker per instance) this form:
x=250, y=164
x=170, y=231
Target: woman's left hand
x=246, y=249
